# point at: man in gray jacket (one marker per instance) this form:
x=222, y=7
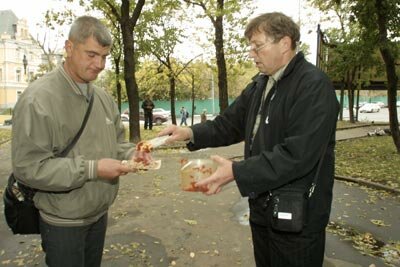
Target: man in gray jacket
x=76, y=191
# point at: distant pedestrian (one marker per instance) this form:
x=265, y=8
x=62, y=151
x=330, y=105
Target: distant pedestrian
x=148, y=107
x=184, y=116
x=203, y=116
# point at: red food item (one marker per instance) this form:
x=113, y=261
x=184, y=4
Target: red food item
x=183, y=161
x=144, y=147
x=194, y=188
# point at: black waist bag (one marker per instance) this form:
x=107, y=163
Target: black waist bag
x=284, y=210
x=289, y=208
x=19, y=210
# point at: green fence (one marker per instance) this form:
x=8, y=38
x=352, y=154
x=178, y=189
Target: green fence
x=212, y=107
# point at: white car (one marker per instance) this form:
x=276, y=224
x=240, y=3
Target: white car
x=369, y=108
x=162, y=112
x=380, y=104
x=125, y=119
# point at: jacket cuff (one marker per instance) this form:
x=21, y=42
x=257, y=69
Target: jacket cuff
x=91, y=169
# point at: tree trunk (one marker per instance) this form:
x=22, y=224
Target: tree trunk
x=172, y=83
x=127, y=27
x=350, y=96
x=341, y=101
x=391, y=76
x=220, y=56
x=193, y=100
x=117, y=73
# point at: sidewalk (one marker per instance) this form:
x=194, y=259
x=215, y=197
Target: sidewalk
x=154, y=223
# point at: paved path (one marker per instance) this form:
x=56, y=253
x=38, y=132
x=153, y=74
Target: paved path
x=154, y=223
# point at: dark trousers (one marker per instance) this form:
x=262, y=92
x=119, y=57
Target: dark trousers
x=148, y=120
x=74, y=246
x=277, y=249
x=183, y=121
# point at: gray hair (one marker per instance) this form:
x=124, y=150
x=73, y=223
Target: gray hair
x=87, y=26
x=276, y=25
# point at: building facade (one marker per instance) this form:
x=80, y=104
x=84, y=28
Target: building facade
x=20, y=58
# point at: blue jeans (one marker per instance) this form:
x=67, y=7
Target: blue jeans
x=183, y=121
x=74, y=246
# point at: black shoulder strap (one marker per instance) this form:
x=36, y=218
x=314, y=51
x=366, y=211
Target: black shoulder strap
x=314, y=182
x=85, y=119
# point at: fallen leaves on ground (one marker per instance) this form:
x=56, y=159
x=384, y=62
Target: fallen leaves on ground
x=191, y=222
x=367, y=244
x=379, y=223
x=5, y=134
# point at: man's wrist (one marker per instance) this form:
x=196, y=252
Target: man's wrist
x=191, y=136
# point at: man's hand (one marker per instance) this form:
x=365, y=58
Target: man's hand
x=176, y=133
x=111, y=168
x=222, y=176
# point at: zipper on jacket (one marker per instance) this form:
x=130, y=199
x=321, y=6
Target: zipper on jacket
x=275, y=87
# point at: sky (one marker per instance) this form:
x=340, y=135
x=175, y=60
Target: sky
x=33, y=12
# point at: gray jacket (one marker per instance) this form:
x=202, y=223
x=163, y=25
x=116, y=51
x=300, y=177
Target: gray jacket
x=47, y=116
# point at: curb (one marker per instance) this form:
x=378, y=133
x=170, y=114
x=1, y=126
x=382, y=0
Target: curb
x=362, y=126
x=368, y=183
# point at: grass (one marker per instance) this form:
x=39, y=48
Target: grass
x=370, y=158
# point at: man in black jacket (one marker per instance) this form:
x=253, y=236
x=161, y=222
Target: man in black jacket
x=148, y=107
x=287, y=118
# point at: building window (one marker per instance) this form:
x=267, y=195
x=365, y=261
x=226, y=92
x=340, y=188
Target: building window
x=18, y=75
x=1, y=74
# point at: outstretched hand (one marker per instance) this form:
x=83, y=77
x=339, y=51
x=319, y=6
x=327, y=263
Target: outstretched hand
x=222, y=176
x=176, y=133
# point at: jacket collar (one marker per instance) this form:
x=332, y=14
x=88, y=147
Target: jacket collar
x=297, y=58
x=72, y=83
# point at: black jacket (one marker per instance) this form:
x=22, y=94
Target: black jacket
x=302, y=111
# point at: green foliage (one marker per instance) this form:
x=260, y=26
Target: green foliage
x=346, y=49
x=152, y=78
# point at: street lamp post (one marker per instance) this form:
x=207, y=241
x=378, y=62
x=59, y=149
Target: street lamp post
x=25, y=62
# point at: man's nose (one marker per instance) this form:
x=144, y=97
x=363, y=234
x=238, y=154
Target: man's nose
x=100, y=62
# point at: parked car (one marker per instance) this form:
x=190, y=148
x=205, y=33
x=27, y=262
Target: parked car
x=369, y=108
x=362, y=104
x=159, y=116
x=161, y=111
x=380, y=104
x=125, y=119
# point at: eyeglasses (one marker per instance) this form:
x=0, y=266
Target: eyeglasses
x=257, y=49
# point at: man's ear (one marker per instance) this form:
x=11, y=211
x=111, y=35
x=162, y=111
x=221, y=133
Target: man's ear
x=68, y=47
x=286, y=43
